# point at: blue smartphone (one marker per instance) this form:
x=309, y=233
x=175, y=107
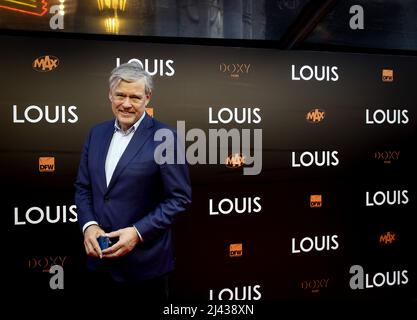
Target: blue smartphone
x=103, y=242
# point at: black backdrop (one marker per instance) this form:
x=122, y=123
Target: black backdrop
x=194, y=78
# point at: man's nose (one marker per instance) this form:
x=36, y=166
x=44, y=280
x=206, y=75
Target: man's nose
x=127, y=103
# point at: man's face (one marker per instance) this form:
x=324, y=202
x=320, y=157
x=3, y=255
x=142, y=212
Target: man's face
x=128, y=102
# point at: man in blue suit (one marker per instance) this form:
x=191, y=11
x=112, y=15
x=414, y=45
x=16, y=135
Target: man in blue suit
x=121, y=191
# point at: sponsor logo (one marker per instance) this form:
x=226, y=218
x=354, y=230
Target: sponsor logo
x=236, y=205
x=149, y=111
x=35, y=114
x=237, y=293
x=46, y=164
x=48, y=214
x=235, y=161
x=315, y=201
x=319, y=73
x=387, y=238
x=315, y=116
x=387, y=75
x=389, y=116
x=154, y=66
x=33, y=7
x=45, y=63
x=387, y=156
x=389, y=197
x=314, y=285
x=235, y=70
x=317, y=243
x=235, y=250
x=361, y=280
x=45, y=262
x=314, y=158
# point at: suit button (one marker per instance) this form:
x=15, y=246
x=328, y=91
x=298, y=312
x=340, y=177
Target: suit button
x=106, y=199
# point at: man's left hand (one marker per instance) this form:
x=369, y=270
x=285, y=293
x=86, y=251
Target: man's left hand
x=128, y=238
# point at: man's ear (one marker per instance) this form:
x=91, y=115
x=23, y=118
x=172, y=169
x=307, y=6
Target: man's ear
x=110, y=95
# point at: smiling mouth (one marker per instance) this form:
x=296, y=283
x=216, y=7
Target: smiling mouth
x=124, y=113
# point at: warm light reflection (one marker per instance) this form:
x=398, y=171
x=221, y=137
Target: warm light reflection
x=112, y=25
x=111, y=4
x=61, y=7
x=110, y=10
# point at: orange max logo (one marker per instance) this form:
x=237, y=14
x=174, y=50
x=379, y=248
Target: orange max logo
x=387, y=238
x=149, y=111
x=315, y=115
x=235, y=161
x=45, y=63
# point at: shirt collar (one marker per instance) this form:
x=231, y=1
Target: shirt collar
x=131, y=129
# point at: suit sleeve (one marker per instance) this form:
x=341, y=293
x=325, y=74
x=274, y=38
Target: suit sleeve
x=83, y=191
x=177, y=197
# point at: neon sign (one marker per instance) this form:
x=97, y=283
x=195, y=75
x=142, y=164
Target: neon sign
x=33, y=7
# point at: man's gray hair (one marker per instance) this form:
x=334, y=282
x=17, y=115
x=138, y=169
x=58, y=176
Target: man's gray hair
x=130, y=72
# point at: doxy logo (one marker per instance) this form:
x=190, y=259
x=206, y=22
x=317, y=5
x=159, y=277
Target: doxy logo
x=235, y=69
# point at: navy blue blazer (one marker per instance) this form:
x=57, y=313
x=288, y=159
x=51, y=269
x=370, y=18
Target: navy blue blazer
x=141, y=193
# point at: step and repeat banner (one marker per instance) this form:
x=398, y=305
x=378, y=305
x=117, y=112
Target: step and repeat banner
x=312, y=194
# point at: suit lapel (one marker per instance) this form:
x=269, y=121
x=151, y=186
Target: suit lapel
x=141, y=135
x=103, y=149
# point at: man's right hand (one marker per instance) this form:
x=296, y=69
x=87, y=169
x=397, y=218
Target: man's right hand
x=91, y=245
